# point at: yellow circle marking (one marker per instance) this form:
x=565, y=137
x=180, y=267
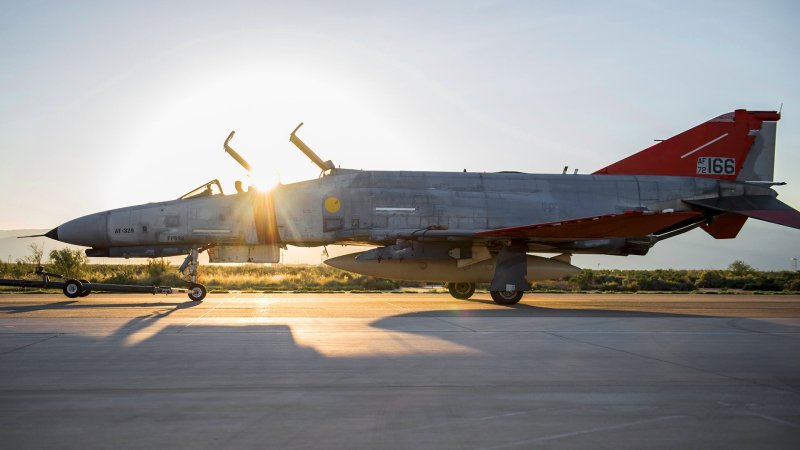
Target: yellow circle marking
x=332, y=204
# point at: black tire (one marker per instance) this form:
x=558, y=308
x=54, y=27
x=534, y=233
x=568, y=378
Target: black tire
x=506, y=298
x=86, y=291
x=461, y=290
x=72, y=288
x=197, y=292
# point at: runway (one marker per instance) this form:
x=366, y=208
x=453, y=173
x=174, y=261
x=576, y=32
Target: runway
x=399, y=371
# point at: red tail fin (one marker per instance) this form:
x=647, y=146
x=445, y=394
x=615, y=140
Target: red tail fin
x=715, y=149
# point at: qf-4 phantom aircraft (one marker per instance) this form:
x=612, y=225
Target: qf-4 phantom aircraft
x=465, y=228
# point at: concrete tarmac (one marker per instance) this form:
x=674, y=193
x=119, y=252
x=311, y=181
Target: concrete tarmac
x=342, y=371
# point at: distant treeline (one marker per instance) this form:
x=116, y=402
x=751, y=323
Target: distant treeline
x=252, y=277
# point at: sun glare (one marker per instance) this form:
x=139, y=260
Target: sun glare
x=263, y=105
x=265, y=181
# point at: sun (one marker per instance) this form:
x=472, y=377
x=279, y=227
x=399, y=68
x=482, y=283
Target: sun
x=265, y=180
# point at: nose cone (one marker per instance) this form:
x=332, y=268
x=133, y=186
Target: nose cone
x=52, y=234
x=89, y=231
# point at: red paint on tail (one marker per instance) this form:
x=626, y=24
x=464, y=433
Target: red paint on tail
x=714, y=149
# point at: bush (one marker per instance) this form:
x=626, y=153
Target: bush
x=710, y=279
x=35, y=258
x=157, y=269
x=68, y=263
x=740, y=268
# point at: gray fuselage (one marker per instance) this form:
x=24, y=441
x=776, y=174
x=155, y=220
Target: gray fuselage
x=377, y=208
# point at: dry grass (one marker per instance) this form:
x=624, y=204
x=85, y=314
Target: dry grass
x=273, y=277
x=302, y=278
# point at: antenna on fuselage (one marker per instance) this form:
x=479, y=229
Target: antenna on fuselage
x=323, y=165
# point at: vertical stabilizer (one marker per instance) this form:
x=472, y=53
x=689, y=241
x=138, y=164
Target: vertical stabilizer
x=760, y=162
x=734, y=146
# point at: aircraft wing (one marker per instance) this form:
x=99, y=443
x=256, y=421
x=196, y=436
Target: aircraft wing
x=628, y=224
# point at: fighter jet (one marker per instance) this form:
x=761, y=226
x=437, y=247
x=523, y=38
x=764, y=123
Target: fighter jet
x=465, y=228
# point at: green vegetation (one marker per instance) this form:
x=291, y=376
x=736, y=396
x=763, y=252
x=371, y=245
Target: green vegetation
x=69, y=263
x=738, y=277
x=304, y=278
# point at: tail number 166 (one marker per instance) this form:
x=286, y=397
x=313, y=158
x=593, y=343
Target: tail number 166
x=715, y=165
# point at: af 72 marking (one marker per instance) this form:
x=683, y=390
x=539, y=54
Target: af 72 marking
x=716, y=165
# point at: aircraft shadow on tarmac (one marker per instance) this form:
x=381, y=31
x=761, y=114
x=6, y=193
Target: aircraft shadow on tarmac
x=262, y=382
x=270, y=354
x=601, y=340
x=75, y=304
x=528, y=310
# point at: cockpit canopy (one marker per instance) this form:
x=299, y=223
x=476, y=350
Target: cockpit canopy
x=213, y=187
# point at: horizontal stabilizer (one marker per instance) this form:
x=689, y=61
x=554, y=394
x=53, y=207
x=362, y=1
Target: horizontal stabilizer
x=725, y=226
x=763, y=207
x=633, y=223
x=564, y=257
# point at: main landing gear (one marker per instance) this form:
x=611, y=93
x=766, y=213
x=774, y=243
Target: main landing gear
x=464, y=290
x=197, y=292
x=506, y=298
x=461, y=290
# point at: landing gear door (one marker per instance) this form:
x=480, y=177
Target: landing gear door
x=244, y=254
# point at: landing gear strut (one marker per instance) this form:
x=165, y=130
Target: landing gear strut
x=461, y=290
x=197, y=292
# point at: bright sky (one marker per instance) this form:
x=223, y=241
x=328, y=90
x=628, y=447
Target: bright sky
x=109, y=104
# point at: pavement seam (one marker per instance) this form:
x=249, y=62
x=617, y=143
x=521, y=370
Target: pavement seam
x=685, y=366
x=198, y=318
x=774, y=419
x=28, y=345
x=456, y=325
x=734, y=323
x=434, y=317
x=449, y=423
x=581, y=432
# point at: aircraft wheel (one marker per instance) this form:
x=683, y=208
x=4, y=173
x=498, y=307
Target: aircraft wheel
x=197, y=292
x=72, y=288
x=461, y=291
x=506, y=298
x=86, y=291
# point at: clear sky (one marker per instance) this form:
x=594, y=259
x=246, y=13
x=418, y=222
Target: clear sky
x=108, y=104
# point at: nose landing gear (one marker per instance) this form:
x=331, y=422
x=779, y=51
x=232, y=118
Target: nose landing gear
x=188, y=270
x=197, y=292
